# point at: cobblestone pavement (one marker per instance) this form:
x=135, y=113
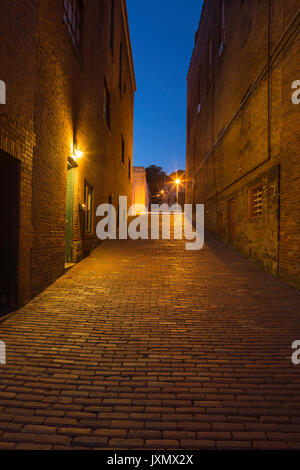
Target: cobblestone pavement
x=146, y=345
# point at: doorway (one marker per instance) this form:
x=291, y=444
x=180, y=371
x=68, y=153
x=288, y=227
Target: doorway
x=9, y=232
x=69, y=216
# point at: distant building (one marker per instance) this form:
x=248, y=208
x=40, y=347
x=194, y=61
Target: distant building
x=140, y=189
x=66, y=134
x=243, y=129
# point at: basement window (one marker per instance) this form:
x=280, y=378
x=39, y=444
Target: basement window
x=256, y=202
x=73, y=15
x=88, y=201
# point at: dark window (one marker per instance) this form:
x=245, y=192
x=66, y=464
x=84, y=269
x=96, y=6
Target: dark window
x=88, y=201
x=106, y=106
x=121, y=67
x=112, y=24
x=123, y=150
x=73, y=16
x=256, y=202
x=129, y=169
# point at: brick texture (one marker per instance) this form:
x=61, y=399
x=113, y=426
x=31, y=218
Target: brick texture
x=54, y=100
x=242, y=129
x=146, y=345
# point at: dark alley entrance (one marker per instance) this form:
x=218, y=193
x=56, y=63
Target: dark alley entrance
x=9, y=194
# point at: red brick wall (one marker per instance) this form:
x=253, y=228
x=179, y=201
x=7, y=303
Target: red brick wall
x=245, y=133
x=69, y=109
x=18, y=26
x=54, y=99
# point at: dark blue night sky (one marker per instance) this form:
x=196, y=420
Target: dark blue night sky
x=162, y=34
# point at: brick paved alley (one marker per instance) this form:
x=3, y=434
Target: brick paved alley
x=146, y=345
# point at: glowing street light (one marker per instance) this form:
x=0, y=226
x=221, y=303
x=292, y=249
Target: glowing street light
x=177, y=182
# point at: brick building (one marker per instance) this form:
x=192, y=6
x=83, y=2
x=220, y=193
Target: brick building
x=242, y=129
x=66, y=133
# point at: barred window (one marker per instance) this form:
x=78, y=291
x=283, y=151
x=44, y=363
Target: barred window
x=73, y=13
x=256, y=202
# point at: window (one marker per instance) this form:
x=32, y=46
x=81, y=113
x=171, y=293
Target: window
x=106, y=106
x=221, y=26
x=112, y=25
x=88, y=201
x=121, y=67
x=123, y=150
x=129, y=169
x=255, y=202
x=73, y=15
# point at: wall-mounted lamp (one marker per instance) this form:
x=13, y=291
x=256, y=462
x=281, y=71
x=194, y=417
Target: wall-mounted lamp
x=72, y=159
x=77, y=153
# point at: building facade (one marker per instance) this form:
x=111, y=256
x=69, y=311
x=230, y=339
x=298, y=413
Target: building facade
x=66, y=133
x=243, y=157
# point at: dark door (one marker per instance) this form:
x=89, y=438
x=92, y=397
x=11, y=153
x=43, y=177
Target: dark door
x=9, y=196
x=232, y=220
x=69, y=216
